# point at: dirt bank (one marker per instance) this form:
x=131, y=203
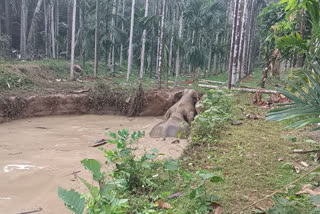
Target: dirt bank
x=39, y=154
x=154, y=103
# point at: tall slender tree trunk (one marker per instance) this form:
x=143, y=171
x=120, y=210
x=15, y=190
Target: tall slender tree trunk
x=23, y=28
x=215, y=58
x=209, y=61
x=113, y=22
x=1, y=22
x=178, y=64
x=45, y=11
x=53, y=45
x=32, y=26
x=244, y=66
x=69, y=21
x=143, y=43
x=96, y=41
x=254, y=13
x=83, y=30
x=233, y=40
x=130, y=53
x=241, y=43
x=159, y=35
x=236, y=45
x=171, y=48
x=159, y=73
x=73, y=38
x=8, y=17
x=301, y=57
x=122, y=28
x=57, y=26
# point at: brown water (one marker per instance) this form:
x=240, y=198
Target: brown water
x=37, y=155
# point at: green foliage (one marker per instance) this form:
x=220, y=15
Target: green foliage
x=72, y=200
x=137, y=183
x=293, y=42
x=94, y=166
x=283, y=206
x=10, y=80
x=5, y=42
x=305, y=108
x=199, y=194
x=216, y=112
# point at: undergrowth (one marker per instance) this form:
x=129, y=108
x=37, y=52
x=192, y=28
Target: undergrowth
x=141, y=184
x=216, y=111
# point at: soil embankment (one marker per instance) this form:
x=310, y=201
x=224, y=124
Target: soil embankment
x=154, y=103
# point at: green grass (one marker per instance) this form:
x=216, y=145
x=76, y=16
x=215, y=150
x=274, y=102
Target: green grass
x=248, y=157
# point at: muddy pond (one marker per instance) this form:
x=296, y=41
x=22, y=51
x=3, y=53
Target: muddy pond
x=39, y=154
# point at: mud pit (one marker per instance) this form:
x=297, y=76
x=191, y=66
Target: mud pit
x=37, y=155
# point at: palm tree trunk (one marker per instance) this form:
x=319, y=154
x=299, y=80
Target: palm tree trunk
x=301, y=57
x=159, y=73
x=130, y=54
x=178, y=50
x=73, y=38
x=245, y=60
x=242, y=38
x=57, y=25
x=209, y=61
x=215, y=58
x=32, y=26
x=236, y=45
x=113, y=22
x=143, y=43
x=8, y=17
x=53, y=46
x=82, y=26
x=45, y=11
x=96, y=41
x=23, y=28
x=171, y=47
x=69, y=11
x=122, y=28
x=233, y=40
x=159, y=35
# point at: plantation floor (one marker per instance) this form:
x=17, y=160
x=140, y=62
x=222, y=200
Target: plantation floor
x=255, y=157
x=37, y=155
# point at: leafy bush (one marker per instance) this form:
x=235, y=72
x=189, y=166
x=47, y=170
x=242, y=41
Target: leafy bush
x=216, y=112
x=137, y=185
x=5, y=46
x=304, y=110
x=9, y=80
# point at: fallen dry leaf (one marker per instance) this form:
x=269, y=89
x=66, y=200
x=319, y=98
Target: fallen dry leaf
x=179, y=186
x=164, y=205
x=307, y=189
x=217, y=208
x=304, y=164
x=281, y=159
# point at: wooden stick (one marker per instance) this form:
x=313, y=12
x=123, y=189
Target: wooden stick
x=305, y=151
x=268, y=196
x=33, y=211
x=251, y=90
x=214, y=82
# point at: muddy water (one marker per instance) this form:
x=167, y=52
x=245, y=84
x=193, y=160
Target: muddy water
x=38, y=155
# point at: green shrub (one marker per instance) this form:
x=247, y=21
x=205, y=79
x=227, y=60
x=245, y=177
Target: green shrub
x=137, y=183
x=216, y=112
x=10, y=80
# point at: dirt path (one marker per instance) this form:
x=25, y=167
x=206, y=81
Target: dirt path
x=38, y=155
